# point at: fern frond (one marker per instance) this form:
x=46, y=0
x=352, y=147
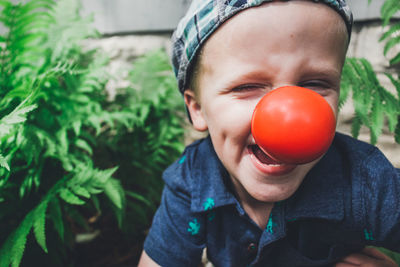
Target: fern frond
x=372, y=102
x=395, y=82
x=17, y=247
x=392, y=35
x=376, y=120
x=55, y=215
x=388, y=9
x=4, y=163
x=39, y=220
x=114, y=192
x=70, y=197
x=392, y=42
x=22, y=52
x=395, y=59
x=80, y=191
x=394, y=30
x=13, y=248
x=17, y=116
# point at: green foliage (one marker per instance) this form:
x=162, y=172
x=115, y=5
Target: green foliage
x=66, y=152
x=372, y=102
x=375, y=106
x=391, y=36
x=152, y=139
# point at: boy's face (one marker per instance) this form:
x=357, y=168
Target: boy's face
x=281, y=43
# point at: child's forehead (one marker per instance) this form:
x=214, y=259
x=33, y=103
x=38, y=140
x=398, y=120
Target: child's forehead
x=204, y=17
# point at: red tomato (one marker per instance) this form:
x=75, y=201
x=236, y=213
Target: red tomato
x=293, y=125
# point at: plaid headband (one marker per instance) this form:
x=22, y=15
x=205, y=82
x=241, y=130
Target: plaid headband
x=205, y=16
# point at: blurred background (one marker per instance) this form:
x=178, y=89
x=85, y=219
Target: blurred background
x=91, y=116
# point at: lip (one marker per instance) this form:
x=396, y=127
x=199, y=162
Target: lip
x=270, y=169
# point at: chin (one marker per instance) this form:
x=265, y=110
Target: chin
x=276, y=194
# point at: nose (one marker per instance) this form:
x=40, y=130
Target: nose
x=293, y=124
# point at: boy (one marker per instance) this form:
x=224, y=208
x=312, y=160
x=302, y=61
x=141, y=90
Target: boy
x=224, y=193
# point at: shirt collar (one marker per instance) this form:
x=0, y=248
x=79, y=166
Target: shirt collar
x=321, y=195
x=211, y=188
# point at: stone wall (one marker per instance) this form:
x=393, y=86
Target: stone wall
x=124, y=49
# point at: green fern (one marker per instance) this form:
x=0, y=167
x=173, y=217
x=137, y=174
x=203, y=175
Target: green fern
x=13, y=248
x=372, y=102
x=60, y=139
x=51, y=100
x=391, y=36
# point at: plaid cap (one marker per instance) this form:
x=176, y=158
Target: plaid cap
x=205, y=16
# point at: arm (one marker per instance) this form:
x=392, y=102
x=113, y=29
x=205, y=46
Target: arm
x=177, y=235
x=146, y=261
x=369, y=257
x=380, y=203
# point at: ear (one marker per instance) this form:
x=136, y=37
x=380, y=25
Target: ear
x=195, y=112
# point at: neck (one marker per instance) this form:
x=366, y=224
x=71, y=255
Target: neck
x=257, y=210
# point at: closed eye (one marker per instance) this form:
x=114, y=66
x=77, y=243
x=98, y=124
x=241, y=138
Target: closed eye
x=315, y=84
x=248, y=88
x=319, y=86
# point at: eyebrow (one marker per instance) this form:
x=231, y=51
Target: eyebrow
x=250, y=76
x=329, y=73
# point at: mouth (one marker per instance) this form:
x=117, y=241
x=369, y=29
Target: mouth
x=266, y=164
x=263, y=157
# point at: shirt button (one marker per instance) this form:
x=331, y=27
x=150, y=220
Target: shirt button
x=252, y=247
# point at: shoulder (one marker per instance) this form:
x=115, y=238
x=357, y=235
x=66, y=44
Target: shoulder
x=361, y=156
x=375, y=187
x=180, y=175
x=365, y=165
x=355, y=148
x=199, y=176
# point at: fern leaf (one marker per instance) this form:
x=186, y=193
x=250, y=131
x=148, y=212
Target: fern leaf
x=392, y=31
x=395, y=82
x=13, y=248
x=395, y=59
x=39, y=220
x=388, y=9
x=17, y=116
x=19, y=240
x=376, y=121
x=138, y=197
x=26, y=186
x=390, y=44
x=70, y=197
x=4, y=163
x=114, y=192
x=63, y=141
x=76, y=126
x=34, y=21
x=103, y=176
x=55, y=215
x=84, y=145
x=35, y=5
x=78, y=190
x=391, y=109
x=372, y=102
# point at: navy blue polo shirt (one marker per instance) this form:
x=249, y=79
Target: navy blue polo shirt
x=350, y=199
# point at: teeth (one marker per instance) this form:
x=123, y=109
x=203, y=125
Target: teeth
x=262, y=157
